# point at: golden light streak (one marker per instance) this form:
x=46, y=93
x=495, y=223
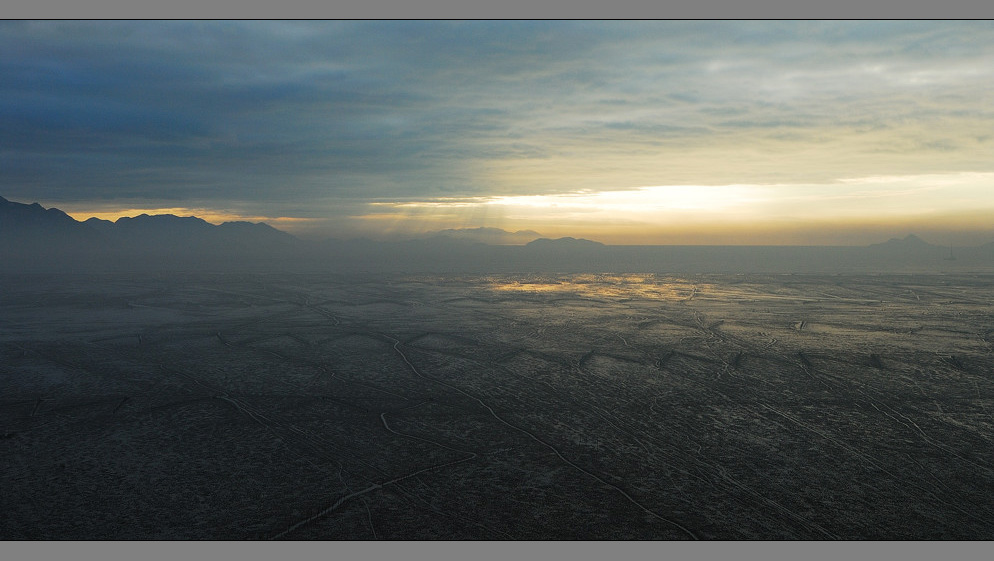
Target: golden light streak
x=784, y=213
x=209, y=215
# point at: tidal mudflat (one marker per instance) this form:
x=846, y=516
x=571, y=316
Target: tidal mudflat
x=582, y=406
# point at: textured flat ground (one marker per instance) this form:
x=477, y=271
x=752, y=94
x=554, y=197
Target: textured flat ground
x=501, y=407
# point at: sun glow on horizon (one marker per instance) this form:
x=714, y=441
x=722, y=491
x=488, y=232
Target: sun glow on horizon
x=681, y=214
x=954, y=200
x=663, y=198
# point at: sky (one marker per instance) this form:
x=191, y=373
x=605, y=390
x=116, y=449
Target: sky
x=655, y=132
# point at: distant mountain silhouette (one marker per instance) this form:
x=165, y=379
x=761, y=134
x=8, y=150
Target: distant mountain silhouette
x=100, y=225
x=909, y=250
x=31, y=233
x=435, y=241
x=493, y=236
x=909, y=242
x=564, y=243
x=32, y=229
x=163, y=229
x=259, y=232
x=33, y=238
x=19, y=216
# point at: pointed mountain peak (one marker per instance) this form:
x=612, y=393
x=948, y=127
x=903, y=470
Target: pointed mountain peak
x=909, y=241
x=911, y=238
x=34, y=212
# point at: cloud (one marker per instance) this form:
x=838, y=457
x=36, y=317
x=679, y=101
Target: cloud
x=319, y=118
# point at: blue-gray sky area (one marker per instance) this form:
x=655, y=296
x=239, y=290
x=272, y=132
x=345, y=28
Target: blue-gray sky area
x=625, y=132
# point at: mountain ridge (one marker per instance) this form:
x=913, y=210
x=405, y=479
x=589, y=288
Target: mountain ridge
x=485, y=234
x=35, y=238
x=563, y=243
x=909, y=241
x=30, y=229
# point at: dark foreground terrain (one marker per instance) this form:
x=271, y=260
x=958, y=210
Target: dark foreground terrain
x=501, y=407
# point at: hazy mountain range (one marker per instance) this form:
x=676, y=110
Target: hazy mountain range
x=492, y=236
x=33, y=238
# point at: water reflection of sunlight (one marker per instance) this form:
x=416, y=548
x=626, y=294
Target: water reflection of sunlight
x=623, y=286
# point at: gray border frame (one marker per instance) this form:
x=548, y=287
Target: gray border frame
x=500, y=551
x=506, y=9
x=487, y=9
